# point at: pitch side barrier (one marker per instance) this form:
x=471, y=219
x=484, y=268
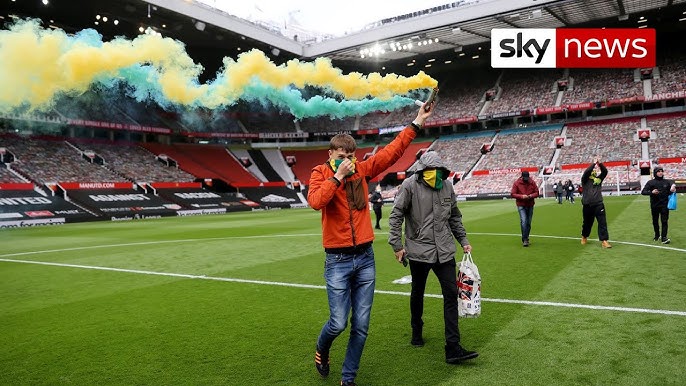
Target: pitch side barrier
x=273, y=197
x=22, y=206
x=201, y=201
x=123, y=204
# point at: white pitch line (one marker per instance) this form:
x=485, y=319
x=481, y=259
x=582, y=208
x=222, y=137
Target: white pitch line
x=299, y=235
x=309, y=286
x=578, y=238
x=153, y=243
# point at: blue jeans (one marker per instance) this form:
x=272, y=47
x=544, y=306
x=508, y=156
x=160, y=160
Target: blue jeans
x=350, y=281
x=526, y=213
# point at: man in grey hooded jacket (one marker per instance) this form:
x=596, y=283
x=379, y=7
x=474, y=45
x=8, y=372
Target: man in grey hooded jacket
x=428, y=207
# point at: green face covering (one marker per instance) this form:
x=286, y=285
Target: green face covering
x=596, y=180
x=335, y=163
x=433, y=178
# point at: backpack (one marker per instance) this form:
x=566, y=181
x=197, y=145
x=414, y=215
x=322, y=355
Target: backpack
x=468, y=288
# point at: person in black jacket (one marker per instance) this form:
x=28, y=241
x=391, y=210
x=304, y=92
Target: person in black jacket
x=659, y=189
x=592, y=201
x=377, y=203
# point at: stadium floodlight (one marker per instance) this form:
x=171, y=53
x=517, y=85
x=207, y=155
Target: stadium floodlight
x=623, y=17
x=456, y=30
x=200, y=26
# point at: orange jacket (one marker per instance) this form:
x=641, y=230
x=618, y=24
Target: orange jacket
x=345, y=212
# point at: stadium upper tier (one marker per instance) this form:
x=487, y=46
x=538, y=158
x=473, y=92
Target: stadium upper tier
x=476, y=93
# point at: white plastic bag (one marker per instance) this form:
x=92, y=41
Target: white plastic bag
x=468, y=288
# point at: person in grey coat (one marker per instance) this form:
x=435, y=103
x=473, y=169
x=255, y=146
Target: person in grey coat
x=427, y=205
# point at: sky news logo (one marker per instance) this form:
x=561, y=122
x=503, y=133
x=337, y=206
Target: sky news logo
x=573, y=48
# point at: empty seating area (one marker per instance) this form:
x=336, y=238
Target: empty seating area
x=525, y=89
x=183, y=160
x=625, y=174
x=90, y=106
x=45, y=160
x=675, y=171
x=374, y=120
x=408, y=158
x=669, y=138
x=7, y=176
x=461, y=153
x=270, y=121
x=136, y=163
x=610, y=142
x=491, y=183
x=601, y=85
x=521, y=149
x=306, y=159
x=672, y=78
x=217, y=159
x=327, y=124
x=459, y=101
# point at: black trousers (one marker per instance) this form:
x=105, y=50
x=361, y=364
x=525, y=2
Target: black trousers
x=591, y=213
x=663, y=214
x=377, y=212
x=447, y=277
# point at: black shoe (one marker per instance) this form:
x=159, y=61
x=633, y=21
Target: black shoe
x=417, y=339
x=321, y=362
x=656, y=238
x=455, y=354
x=377, y=227
x=348, y=383
x=666, y=240
x=525, y=243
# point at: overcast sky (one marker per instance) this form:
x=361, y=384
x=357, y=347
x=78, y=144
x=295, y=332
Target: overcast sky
x=323, y=16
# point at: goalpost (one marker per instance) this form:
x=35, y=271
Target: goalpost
x=550, y=180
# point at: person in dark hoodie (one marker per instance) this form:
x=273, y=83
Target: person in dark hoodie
x=525, y=190
x=427, y=205
x=659, y=189
x=592, y=201
x=377, y=204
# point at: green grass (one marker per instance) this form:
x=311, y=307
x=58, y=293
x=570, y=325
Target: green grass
x=66, y=325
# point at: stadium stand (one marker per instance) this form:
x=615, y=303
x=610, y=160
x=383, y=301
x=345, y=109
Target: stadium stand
x=521, y=148
x=672, y=78
x=50, y=159
x=6, y=175
x=669, y=139
x=524, y=90
x=490, y=184
x=461, y=152
x=408, y=159
x=133, y=162
x=609, y=141
x=306, y=159
x=601, y=85
x=327, y=124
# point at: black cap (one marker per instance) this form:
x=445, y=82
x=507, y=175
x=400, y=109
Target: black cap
x=525, y=175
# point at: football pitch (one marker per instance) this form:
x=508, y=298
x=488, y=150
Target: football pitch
x=239, y=299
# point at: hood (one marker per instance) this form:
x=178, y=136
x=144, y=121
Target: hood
x=658, y=169
x=431, y=160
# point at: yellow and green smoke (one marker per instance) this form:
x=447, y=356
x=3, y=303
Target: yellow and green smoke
x=37, y=65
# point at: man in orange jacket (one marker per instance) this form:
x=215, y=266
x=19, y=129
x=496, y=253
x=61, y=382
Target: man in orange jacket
x=339, y=189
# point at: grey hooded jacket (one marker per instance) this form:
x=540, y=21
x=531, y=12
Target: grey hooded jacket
x=431, y=217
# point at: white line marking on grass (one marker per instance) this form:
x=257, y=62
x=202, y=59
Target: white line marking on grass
x=153, y=243
x=309, y=286
x=578, y=238
x=300, y=235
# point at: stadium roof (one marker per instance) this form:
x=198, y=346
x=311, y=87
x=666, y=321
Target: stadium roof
x=441, y=32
